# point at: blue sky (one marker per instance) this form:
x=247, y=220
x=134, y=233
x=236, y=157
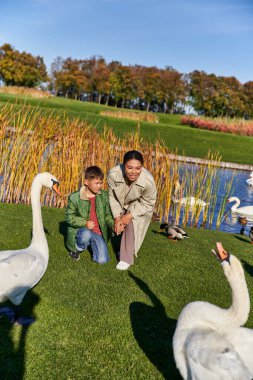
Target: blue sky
x=214, y=36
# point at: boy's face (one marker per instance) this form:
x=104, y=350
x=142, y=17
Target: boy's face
x=94, y=185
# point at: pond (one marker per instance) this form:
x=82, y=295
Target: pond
x=240, y=190
x=244, y=193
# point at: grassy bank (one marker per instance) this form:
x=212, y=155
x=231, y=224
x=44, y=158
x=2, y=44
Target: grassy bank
x=93, y=322
x=183, y=139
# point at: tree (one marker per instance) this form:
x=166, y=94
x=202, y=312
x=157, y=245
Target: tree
x=21, y=69
x=121, y=84
x=248, y=92
x=151, y=84
x=173, y=89
x=69, y=77
x=100, y=79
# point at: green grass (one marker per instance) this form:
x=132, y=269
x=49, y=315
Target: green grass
x=183, y=139
x=94, y=322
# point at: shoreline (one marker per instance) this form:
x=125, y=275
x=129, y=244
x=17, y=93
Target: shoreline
x=203, y=161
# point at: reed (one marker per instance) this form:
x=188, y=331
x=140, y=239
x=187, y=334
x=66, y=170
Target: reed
x=35, y=93
x=34, y=140
x=138, y=116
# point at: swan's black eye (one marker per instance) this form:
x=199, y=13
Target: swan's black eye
x=55, y=182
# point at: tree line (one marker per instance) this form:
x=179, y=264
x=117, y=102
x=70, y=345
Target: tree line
x=137, y=86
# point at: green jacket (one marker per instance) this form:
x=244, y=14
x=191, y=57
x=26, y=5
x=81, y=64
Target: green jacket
x=78, y=213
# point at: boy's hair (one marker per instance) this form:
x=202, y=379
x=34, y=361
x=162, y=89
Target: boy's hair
x=93, y=172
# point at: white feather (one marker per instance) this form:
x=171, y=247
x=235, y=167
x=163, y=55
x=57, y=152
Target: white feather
x=209, y=342
x=21, y=270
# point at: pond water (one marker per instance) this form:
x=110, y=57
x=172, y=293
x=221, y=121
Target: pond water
x=242, y=191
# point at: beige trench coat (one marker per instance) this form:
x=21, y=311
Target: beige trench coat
x=139, y=200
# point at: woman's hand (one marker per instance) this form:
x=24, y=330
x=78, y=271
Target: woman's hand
x=90, y=225
x=125, y=219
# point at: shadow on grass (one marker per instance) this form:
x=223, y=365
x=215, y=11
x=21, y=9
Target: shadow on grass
x=12, y=356
x=248, y=267
x=243, y=239
x=63, y=231
x=153, y=331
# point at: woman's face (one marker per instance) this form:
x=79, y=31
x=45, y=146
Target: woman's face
x=132, y=169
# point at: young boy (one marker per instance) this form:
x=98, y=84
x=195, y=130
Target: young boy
x=88, y=217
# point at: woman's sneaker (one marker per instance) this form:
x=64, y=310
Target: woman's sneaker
x=75, y=255
x=122, y=265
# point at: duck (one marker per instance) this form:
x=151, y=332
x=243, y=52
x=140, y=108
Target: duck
x=209, y=342
x=190, y=201
x=249, y=181
x=243, y=221
x=245, y=210
x=174, y=232
x=22, y=269
x=251, y=235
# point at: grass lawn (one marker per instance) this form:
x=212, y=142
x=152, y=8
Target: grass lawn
x=94, y=322
x=183, y=139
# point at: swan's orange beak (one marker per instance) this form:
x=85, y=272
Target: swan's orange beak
x=221, y=253
x=55, y=188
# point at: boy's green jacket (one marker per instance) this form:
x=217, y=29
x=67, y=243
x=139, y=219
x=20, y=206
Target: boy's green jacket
x=78, y=213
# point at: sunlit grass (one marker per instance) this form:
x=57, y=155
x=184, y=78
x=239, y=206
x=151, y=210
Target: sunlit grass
x=94, y=322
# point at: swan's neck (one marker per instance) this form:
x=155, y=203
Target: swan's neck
x=235, y=206
x=39, y=238
x=239, y=310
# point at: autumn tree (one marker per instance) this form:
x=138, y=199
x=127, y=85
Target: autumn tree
x=21, y=68
x=248, y=99
x=121, y=84
x=100, y=79
x=172, y=89
x=69, y=77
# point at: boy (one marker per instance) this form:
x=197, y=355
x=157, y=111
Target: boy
x=88, y=217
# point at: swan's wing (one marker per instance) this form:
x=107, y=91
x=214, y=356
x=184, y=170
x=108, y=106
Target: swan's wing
x=7, y=254
x=21, y=269
x=211, y=357
x=242, y=339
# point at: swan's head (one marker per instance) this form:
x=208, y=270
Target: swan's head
x=231, y=265
x=232, y=199
x=48, y=180
x=221, y=253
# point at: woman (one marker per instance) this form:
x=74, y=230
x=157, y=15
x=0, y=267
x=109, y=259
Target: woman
x=132, y=197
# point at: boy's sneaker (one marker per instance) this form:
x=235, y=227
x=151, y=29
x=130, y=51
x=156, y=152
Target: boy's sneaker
x=75, y=255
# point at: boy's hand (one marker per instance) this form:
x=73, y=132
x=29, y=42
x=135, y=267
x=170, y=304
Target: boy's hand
x=90, y=225
x=118, y=225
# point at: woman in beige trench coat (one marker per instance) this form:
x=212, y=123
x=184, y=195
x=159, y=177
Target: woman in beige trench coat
x=132, y=197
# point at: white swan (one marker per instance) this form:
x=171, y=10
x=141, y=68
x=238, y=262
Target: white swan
x=190, y=201
x=21, y=270
x=245, y=210
x=209, y=342
x=249, y=181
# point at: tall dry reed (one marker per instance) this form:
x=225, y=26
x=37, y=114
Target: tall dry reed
x=138, y=116
x=34, y=140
